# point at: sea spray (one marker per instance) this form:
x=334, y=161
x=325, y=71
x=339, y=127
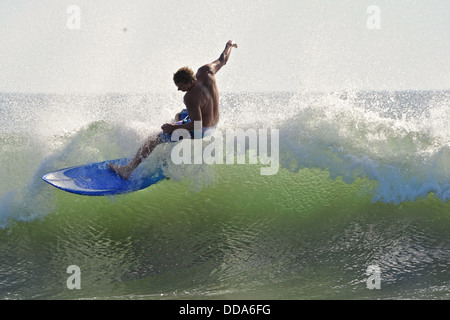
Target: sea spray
x=398, y=140
x=336, y=132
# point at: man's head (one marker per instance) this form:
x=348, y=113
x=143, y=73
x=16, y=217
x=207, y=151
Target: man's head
x=184, y=78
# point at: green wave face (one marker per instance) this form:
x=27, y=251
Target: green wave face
x=289, y=236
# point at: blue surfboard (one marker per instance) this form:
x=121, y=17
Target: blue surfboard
x=97, y=179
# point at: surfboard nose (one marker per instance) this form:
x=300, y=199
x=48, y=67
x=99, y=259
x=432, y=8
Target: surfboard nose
x=97, y=179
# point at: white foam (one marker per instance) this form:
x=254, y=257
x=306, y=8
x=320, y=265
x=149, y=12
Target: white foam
x=407, y=156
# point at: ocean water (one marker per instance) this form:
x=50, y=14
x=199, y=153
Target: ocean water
x=363, y=184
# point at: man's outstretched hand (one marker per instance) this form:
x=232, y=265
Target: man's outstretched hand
x=231, y=44
x=226, y=52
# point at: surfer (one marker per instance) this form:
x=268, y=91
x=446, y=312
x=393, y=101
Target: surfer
x=202, y=106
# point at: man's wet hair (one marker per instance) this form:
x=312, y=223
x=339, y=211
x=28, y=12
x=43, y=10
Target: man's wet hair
x=184, y=75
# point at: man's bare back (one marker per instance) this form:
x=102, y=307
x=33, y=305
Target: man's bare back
x=206, y=94
x=202, y=104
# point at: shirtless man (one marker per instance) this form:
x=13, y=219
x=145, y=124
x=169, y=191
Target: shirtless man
x=202, y=104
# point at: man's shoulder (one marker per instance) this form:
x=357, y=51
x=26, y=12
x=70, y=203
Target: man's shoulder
x=205, y=70
x=205, y=78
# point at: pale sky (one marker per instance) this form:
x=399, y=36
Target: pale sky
x=284, y=45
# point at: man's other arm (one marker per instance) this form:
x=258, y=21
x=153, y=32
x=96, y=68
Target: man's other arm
x=216, y=65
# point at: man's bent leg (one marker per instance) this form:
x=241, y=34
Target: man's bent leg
x=143, y=152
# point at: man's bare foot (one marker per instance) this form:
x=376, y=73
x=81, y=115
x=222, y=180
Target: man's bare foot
x=122, y=171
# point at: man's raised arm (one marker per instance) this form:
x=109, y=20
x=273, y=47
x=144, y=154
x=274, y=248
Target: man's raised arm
x=219, y=63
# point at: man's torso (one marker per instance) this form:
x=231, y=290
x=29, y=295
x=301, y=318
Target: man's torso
x=207, y=95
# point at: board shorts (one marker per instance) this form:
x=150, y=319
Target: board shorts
x=184, y=118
